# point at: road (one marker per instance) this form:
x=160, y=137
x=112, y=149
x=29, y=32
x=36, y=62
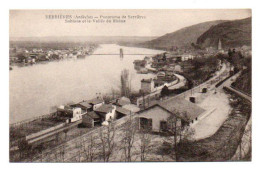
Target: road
x=216, y=103
x=147, y=98
x=180, y=84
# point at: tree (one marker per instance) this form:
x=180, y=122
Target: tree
x=65, y=132
x=125, y=83
x=89, y=149
x=164, y=56
x=230, y=53
x=128, y=139
x=182, y=135
x=79, y=145
x=145, y=138
x=61, y=151
x=164, y=91
x=180, y=131
x=174, y=130
x=107, y=144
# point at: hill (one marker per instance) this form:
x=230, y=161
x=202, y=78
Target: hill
x=180, y=38
x=231, y=33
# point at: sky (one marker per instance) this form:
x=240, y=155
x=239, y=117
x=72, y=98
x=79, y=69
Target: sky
x=35, y=23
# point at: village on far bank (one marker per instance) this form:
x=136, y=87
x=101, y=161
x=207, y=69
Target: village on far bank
x=28, y=55
x=190, y=89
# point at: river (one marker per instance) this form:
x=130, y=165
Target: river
x=36, y=90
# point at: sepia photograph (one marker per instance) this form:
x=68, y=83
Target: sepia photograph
x=130, y=85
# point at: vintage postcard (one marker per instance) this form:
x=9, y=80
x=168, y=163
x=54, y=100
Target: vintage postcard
x=151, y=85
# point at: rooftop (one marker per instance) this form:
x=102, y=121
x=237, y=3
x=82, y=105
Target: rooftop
x=133, y=108
x=105, y=108
x=93, y=115
x=95, y=101
x=85, y=104
x=182, y=108
x=147, y=80
x=123, y=111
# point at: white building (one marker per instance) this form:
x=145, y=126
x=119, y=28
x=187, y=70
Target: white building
x=96, y=103
x=107, y=112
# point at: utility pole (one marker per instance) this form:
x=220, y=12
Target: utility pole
x=121, y=53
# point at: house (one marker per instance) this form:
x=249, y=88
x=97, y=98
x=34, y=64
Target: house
x=65, y=111
x=85, y=106
x=91, y=119
x=147, y=85
x=76, y=115
x=106, y=112
x=161, y=75
x=102, y=114
x=155, y=116
x=95, y=103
